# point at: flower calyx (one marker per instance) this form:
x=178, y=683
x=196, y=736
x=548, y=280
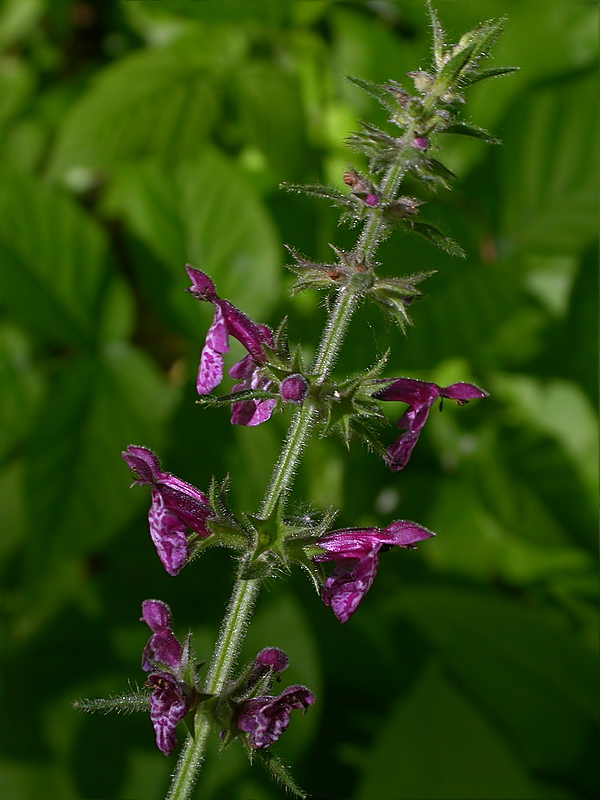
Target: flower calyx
x=394, y=295
x=349, y=409
x=347, y=270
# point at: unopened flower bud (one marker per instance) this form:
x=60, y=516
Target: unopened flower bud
x=371, y=200
x=293, y=389
x=421, y=143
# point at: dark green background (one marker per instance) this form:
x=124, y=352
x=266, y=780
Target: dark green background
x=139, y=135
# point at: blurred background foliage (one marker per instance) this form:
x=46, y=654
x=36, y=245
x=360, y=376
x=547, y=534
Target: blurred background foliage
x=137, y=136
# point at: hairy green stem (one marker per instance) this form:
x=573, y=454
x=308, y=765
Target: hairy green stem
x=245, y=590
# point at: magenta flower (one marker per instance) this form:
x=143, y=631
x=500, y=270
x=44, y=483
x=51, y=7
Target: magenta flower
x=170, y=701
x=163, y=646
x=171, y=697
x=355, y=553
x=176, y=506
x=420, y=396
x=264, y=719
x=230, y=321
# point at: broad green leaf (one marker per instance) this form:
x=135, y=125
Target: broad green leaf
x=260, y=88
x=435, y=744
x=17, y=82
x=203, y=213
x=558, y=409
x=97, y=406
x=20, y=387
x=158, y=102
x=531, y=677
x=18, y=18
x=53, y=261
x=472, y=542
x=548, y=171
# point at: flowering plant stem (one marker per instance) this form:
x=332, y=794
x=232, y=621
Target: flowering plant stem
x=245, y=591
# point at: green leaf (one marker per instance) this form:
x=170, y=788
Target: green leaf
x=20, y=387
x=203, y=213
x=470, y=49
x=533, y=678
x=53, y=262
x=559, y=409
x=17, y=19
x=437, y=237
x=157, y=102
x=484, y=74
x=548, y=173
x=475, y=132
x=262, y=87
x=436, y=744
x=438, y=36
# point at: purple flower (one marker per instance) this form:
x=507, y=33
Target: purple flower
x=420, y=396
x=355, y=553
x=170, y=701
x=163, y=646
x=272, y=658
x=176, y=506
x=171, y=698
x=264, y=719
x=230, y=321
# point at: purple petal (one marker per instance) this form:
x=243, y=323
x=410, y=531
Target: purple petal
x=248, y=333
x=264, y=719
x=243, y=370
x=272, y=657
x=399, y=451
x=156, y=615
x=163, y=646
x=202, y=286
x=349, y=543
x=403, y=533
x=462, y=392
x=142, y=462
x=169, y=703
x=210, y=369
x=252, y=412
x=408, y=390
x=348, y=583
x=168, y=535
